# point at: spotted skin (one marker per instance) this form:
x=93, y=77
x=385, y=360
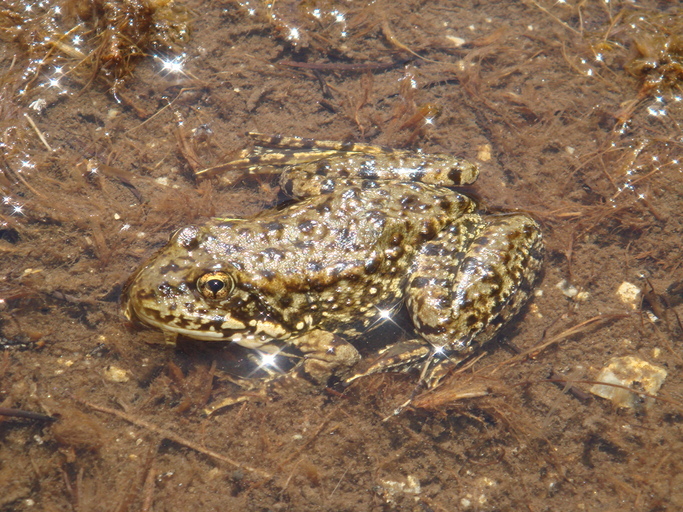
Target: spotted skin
x=372, y=228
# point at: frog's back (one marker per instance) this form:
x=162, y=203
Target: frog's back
x=330, y=258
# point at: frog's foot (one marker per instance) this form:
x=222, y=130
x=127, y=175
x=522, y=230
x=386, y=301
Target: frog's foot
x=345, y=170
x=261, y=389
x=324, y=355
x=433, y=363
x=315, y=166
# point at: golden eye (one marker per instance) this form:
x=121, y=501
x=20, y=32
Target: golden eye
x=215, y=285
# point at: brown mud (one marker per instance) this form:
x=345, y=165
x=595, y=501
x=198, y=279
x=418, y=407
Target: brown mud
x=572, y=109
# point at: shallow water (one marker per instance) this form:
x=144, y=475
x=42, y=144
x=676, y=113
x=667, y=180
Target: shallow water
x=550, y=98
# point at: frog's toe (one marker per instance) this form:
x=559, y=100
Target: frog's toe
x=260, y=389
x=398, y=357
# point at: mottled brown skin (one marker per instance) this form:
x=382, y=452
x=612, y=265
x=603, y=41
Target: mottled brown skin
x=371, y=230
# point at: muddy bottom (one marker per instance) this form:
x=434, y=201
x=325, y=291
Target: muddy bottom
x=572, y=110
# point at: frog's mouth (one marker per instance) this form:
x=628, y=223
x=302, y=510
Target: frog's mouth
x=210, y=327
x=244, y=338
x=191, y=332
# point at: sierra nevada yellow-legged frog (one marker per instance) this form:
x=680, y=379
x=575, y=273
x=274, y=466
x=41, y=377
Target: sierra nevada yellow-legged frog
x=372, y=228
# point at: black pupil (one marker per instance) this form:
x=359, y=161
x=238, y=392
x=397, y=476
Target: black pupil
x=215, y=285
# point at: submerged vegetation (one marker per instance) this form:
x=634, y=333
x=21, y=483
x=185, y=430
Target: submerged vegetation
x=84, y=40
x=573, y=111
x=658, y=52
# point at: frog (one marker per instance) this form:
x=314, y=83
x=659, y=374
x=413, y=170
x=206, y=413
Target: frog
x=369, y=229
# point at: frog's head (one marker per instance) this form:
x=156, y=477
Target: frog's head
x=184, y=289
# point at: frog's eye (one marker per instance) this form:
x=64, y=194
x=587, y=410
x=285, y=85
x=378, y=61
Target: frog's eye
x=215, y=285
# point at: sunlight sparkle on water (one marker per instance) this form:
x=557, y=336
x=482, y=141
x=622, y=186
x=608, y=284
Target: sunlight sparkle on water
x=657, y=112
x=175, y=65
x=268, y=359
x=385, y=313
x=339, y=16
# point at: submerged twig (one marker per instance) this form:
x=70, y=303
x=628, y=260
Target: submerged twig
x=388, y=33
x=344, y=66
x=18, y=413
x=572, y=331
x=172, y=436
x=38, y=132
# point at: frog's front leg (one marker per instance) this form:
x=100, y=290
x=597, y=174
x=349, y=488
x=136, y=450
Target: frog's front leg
x=324, y=354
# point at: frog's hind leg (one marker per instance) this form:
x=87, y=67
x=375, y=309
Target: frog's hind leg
x=308, y=144
x=471, y=280
x=464, y=286
x=343, y=169
x=432, y=278
x=369, y=161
